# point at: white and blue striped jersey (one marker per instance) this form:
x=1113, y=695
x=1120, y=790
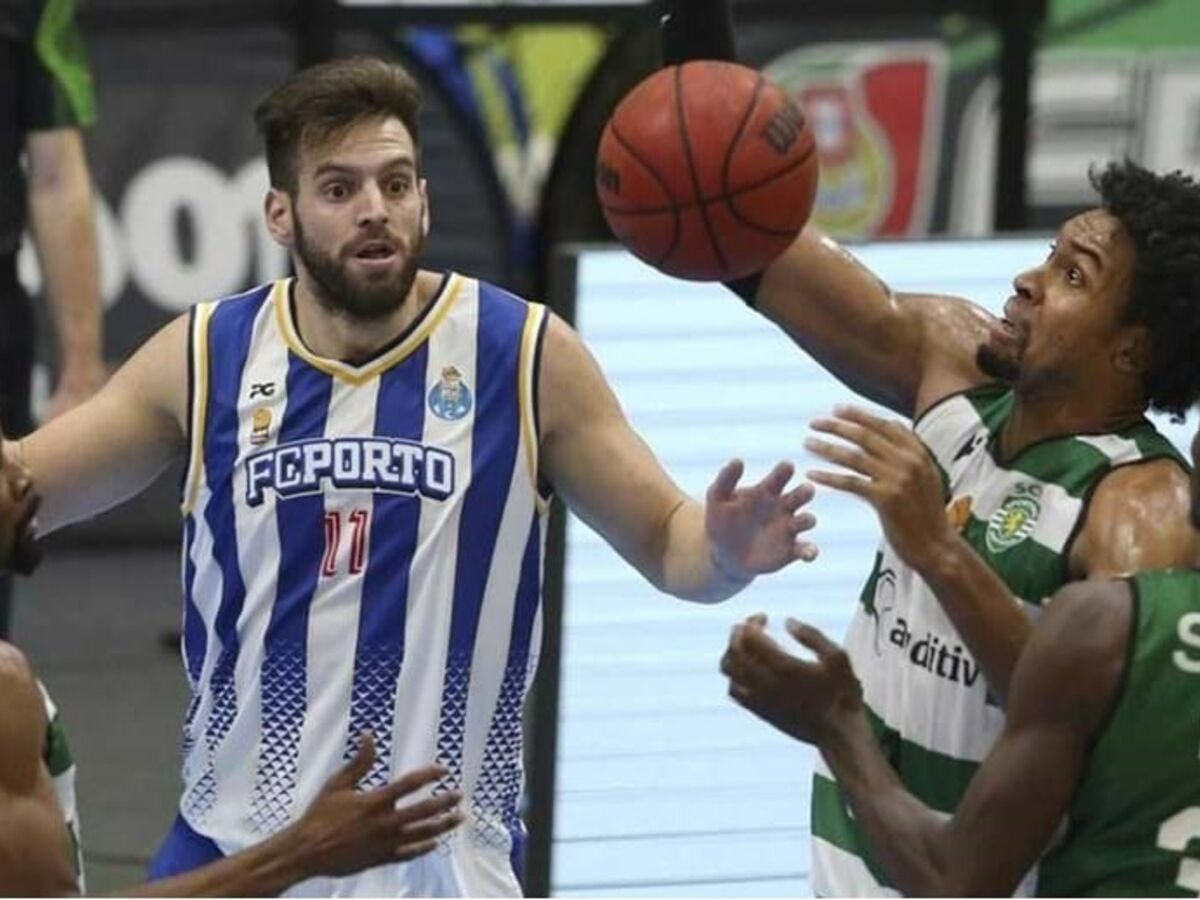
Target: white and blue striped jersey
x=363, y=552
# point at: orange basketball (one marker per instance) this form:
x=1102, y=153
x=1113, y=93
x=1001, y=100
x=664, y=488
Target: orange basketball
x=707, y=171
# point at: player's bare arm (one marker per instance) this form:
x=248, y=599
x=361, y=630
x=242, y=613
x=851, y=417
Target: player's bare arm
x=904, y=351
x=35, y=847
x=109, y=448
x=343, y=831
x=1019, y=795
x=605, y=472
x=64, y=236
x=1138, y=520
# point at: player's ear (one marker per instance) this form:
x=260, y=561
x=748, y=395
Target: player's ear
x=423, y=187
x=277, y=210
x=1132, y=356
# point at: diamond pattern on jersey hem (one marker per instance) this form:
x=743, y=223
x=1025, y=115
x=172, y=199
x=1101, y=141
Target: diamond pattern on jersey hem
x=284, y=705
x=452, y=724
x=373, y=707
x=497, y=794
x=199, y=800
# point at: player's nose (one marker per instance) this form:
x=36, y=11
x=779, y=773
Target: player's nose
x=1025, y=285
x=372, y=208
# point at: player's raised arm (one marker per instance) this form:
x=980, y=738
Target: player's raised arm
x=608, y=476
x=109, y=448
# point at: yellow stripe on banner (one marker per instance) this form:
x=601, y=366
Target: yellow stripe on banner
x=199, y=343
x=358, y=375
x=526, y=392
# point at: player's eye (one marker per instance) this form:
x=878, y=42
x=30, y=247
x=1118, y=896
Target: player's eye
x=398, y=186
x=336, y=190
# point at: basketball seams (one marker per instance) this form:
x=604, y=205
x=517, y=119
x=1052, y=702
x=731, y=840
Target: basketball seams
x=729, y=199
x=691, y=163
x=673, y=208
x=755, y=96
x=719, y=198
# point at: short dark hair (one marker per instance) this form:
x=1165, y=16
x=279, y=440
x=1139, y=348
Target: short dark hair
x=324, y=101
x=1161, y=215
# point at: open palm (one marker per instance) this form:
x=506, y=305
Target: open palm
x=757, y=529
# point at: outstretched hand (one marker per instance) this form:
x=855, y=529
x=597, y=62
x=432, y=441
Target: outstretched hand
x=346, y=830
x=894, y=472
x=757, y=529
x=798, y=697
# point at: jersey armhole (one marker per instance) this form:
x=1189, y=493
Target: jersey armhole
x=197, y=404
x=532, y=341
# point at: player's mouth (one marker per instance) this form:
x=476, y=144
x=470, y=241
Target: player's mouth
x=1013, y=326
x=375, y=253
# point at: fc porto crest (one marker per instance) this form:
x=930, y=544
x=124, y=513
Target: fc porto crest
x=450, y=398
x=1013, y=522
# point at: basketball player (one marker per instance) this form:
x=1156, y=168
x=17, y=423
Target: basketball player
x=343, y=830
x=1103, y=726
x=371, y=449
x=1045, y=464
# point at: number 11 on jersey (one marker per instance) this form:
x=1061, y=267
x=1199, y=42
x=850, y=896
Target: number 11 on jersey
x=354, y=524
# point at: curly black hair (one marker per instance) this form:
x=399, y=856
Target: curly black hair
x=1161, y=215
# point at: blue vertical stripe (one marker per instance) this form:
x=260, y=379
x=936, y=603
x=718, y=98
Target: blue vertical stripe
x=300, y=522
x=229, y=333
x=497, y=796
x=195, y=640
x=495, y=441
x=379, y=650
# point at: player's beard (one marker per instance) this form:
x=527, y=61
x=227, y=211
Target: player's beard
x=362, y=300
x=1001, y=367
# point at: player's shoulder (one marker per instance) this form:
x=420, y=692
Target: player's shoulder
x=1087, y=602
x=251, y=297
x=1085, y=627
x=1153, y=490
x=22, y=714
x=492, y=293
x=952, y=329
x=15, y=669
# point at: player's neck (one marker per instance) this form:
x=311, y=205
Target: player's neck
x=1041, y=415
x=334, y=335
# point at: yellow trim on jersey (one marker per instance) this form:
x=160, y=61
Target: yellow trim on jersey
x=526, y=392
x=359, y=375
x=199, y=343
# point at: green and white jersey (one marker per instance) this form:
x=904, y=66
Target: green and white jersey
x=1134, y=822
x=57, y=756
x=925, y=693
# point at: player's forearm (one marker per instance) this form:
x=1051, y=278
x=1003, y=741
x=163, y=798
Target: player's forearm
x=61, y=220
x=689, y=567
x=79, y=467
x=843, y=316
x=264, y=870
x=983, y=610
x=904, y=835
